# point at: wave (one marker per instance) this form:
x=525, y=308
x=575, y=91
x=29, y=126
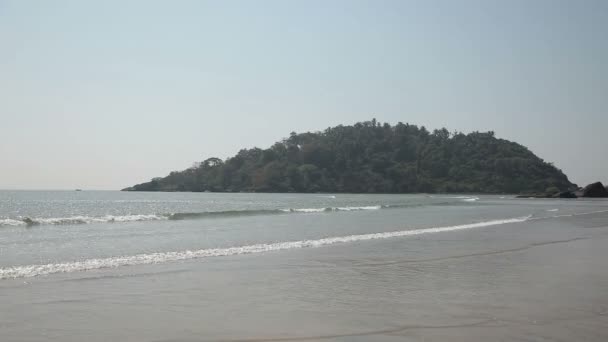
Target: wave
x=225, y=213
x=27, y=221
x=470, y=199
x=570, y=215
x=329, y=209
x=462, y=198
x=163, y=257
x=306, y=210
x=231, y=213
x=371, y=207
x=11, y=222
x=74, y=220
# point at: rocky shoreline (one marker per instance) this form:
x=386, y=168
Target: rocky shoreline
x=593, y=190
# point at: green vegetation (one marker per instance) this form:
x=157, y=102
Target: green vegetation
x=371, y=157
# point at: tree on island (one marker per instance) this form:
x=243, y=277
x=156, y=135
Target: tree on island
x=370, y=157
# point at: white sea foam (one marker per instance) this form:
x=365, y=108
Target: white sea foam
x=73, y=220
x=569, y=215
x=305, y=210
x=370, y=207
x=154, y=258
x=103, y=219
x=591, y=212
x=27, y=221
x=320, y=210
x=11, y=222
x=552, y=209
x=470, y=199
x=463, y=198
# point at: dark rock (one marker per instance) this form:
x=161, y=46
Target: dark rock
x=595, y=190
x=562, y=194
x=566, y=194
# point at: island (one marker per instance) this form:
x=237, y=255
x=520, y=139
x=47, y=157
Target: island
x=371, y=157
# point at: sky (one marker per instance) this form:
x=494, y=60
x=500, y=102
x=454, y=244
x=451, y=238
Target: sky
x=106, y=94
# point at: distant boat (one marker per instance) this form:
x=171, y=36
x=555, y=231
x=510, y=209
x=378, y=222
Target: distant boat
x=78, y=190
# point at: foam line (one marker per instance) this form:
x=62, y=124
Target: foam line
x=155, y=258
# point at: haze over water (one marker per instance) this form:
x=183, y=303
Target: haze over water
x=133, y=266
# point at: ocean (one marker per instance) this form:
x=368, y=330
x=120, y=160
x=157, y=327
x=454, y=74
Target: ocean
x=131, y=266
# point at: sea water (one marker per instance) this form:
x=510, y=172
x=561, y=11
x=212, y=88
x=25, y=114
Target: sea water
x=101, y=265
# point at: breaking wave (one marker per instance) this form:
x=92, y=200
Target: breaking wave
x=77, y=220
x=233, y=213
x=11, y=222
x=226, y=213
x=26, y=221
x=329, y=209
x=163, y=257
x=462, y=198
x=470, y=199
x=74, y=220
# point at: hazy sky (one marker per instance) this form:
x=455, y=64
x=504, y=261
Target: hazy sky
x=105, y=94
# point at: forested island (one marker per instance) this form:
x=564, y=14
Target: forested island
x=370, y=157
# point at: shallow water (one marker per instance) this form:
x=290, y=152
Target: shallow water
x=198, y=267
